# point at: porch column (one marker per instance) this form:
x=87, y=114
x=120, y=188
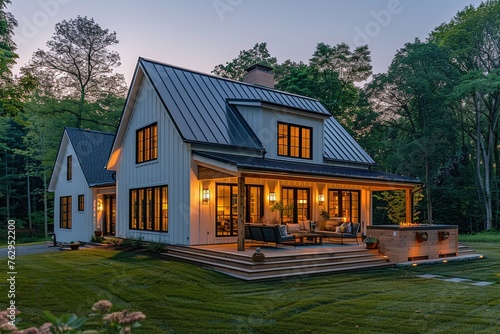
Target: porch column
x=409, y=206
x=241, y=213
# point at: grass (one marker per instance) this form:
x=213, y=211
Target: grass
x=484, y=236
x=183, y=298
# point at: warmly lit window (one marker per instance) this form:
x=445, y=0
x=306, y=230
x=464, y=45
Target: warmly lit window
x=69, y=167
x=149, y=209
x=297, y=202
x=81, y=202
x=294, y=141
x=344, y=205
x=147, y=143
x=227, y=208
x=65, y=212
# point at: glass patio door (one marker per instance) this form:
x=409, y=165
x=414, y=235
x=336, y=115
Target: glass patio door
x=297, y=201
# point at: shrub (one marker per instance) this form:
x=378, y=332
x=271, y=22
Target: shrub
x=107, y=322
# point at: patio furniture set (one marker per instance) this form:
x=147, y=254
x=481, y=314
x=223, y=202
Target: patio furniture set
x=303, y=233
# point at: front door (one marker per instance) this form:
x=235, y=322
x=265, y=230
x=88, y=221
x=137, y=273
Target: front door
x=109, y=214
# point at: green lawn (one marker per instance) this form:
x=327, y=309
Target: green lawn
x=183, y=298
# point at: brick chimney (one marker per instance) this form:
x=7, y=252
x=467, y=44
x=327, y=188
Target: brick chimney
x=259, y=75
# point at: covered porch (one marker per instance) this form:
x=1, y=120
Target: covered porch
x=234, y=190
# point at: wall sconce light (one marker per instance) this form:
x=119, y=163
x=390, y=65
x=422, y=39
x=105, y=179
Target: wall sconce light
x=272, y=197
x=99, y=205
x=321, y=199
x=206, y=196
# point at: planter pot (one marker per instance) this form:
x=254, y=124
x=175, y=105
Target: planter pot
x=443, y=235
x=371, y=245
x=421, y=236
x=258, y=256
x=74, y=246
x=98, y=233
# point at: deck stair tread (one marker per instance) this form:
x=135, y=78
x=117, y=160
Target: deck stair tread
x=270, y=261
x=262, y=268
x=280, y=265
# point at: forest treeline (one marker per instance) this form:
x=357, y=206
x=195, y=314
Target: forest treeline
x=434, y=115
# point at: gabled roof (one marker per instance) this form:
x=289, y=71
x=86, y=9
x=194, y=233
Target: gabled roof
x=198, y=104
x=203, y=110
x=244, y=163
x=92, y=150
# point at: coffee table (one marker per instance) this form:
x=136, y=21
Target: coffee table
x=308, y=238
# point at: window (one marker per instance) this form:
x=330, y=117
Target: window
x=344, y=205
x=227, y=208
x=294, y=141
x=297, y=200
x=81, y=202
x=69, y=167
x=65, y=212
x=147, y=143
x=149, y=209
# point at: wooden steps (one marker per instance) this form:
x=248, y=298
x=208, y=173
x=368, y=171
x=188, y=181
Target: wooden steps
x=280, y=264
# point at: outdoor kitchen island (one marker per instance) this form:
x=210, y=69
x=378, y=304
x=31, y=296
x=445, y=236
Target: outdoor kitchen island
x=403, y=243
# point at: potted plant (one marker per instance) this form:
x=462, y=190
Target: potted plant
x=421, y=236
x=74, y=245
x=443, y=235
x=371, y=242
x=324, y=214
x=280, y=207
x=98, y=232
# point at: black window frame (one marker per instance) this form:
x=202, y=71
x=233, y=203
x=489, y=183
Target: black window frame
x=340, y=203
x=69, y=167
x=81, y=202
x=65, y=212
x=289, y=139
x=143, y=147
x=146, y=209
x=295, y=210
x=233, y=225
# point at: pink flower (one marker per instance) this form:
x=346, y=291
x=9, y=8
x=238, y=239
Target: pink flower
x=102, y=306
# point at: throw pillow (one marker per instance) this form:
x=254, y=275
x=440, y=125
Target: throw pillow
x=348, y=228
x=283, y=230
x=331, y=226
x=293, y=227
x=304, y=225
x=343, y=228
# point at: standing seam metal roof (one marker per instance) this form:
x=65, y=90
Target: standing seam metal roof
x=198, y=105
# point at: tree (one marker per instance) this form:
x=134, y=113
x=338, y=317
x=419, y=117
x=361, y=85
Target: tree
x=235, y=69
x=9, y=99
x=76, y=75
x=412, y=97
x=472, y=37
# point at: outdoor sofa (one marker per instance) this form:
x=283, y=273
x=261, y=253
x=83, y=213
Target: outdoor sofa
x=269, y=234
x=332, y=229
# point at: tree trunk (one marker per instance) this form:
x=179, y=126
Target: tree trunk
x=29, y=197
x=428, y=191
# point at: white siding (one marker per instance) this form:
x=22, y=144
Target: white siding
x=172, y=168
x=82, y=222
x=264, y=123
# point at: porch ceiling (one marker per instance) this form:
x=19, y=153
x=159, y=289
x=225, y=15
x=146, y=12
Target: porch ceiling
x=234, y=165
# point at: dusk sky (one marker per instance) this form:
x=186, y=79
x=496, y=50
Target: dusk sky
x=199, y=34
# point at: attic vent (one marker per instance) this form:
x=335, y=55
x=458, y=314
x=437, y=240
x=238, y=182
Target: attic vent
x=259, y=75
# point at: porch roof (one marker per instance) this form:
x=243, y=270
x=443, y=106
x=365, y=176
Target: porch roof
x=255, y=164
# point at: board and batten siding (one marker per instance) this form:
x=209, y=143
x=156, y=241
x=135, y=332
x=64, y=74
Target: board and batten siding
x=171, y=168
x=82, y=227
x=264, y=122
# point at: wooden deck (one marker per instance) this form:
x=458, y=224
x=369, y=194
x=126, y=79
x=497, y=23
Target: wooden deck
x=287, y=261
x=281, y=262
